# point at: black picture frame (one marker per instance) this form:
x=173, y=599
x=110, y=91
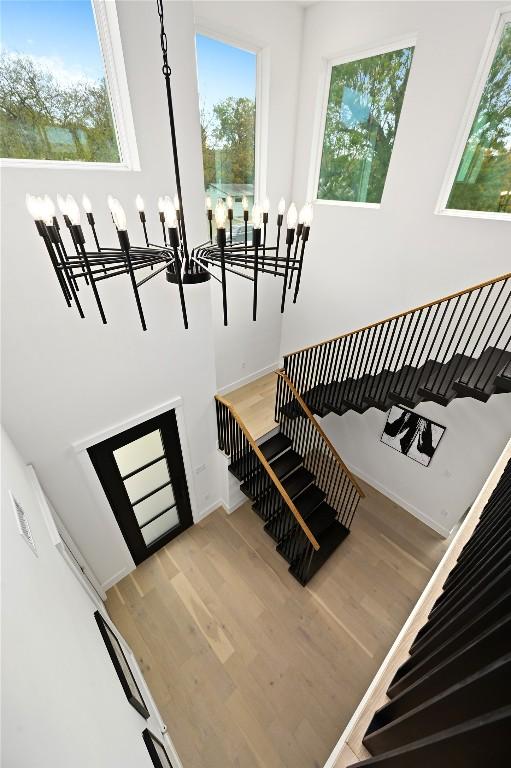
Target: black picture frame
x=156, y=749
x=420, y=436
x=121, y=666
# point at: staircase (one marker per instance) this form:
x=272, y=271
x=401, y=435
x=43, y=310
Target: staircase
x=458, y=346
x=297, y=482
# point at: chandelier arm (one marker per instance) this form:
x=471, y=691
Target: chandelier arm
x=166, y=74
x=194, y=258
x=149, y=277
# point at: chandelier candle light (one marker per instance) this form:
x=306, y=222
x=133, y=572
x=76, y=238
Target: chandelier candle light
x=239, y=254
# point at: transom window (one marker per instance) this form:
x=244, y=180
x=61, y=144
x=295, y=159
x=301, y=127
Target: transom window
x=483, y=178
x=54, y=96
x=365, y=99
x=227, y=79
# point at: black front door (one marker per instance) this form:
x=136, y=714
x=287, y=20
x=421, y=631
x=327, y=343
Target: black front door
x=143, y=476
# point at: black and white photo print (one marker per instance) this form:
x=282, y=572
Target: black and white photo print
x=415, y=436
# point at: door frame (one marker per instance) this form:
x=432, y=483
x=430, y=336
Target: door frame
x=103, y=458
x=80, y=450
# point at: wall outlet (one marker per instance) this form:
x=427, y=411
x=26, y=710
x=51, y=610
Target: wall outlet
x=200, y=469
x=243, y=365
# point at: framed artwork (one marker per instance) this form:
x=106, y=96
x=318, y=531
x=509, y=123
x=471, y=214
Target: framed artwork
x=415, y=436
x=121, y=666
x=156, y=749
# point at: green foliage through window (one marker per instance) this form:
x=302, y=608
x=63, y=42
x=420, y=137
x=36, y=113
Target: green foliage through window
x=227, y=87
x=54, y=103
x=483, y=180
x=364, y=105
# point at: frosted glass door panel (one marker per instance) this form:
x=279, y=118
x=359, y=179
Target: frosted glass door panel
x=147, y=480
x=154, y=504
x=161, y=525
x=139, y=452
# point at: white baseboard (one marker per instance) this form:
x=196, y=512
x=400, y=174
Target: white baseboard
x=248, y=379
x=105, y=586
x=413, y=510
x=208, y=510
x=237, y=504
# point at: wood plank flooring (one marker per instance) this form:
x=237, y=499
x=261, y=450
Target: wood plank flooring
x=255, y=403
x=248, y=668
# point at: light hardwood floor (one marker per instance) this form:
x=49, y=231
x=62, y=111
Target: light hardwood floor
x=248, y=668
x=255, y=403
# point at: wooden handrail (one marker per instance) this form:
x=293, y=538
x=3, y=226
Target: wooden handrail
x=505, y=276
x=318, y=429
x=267, y=466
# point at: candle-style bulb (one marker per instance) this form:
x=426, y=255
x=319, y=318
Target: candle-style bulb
x=244, y=202
x=87, y=205
x=256, y=216
x=220, y=214
x=229, y=203
x=139, y=202
x=292, y=216
x=119, y=216
x=73, y=211
x=62, y=205
x=208, y=203
x=170, y=214
x=49, y=209
x=266, y=205
x=282, y=206
x=161, y=204
x=34, y=206
x=177, y=206
x=308, y=214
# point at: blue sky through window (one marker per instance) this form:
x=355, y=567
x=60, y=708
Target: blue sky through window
x=59, y=34
x=223, y=71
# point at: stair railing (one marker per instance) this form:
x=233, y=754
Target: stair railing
x=453, y=329
x=320, y=457
x=235, y=440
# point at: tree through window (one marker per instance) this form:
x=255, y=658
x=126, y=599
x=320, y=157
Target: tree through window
x=227, y=91
x=483, y=179
x=54, y=102
x=364, y=105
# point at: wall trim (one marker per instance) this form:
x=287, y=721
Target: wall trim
x=106, y=585
x=411, y=508
x=207, y=511
x=237, y=504
x=247, y=379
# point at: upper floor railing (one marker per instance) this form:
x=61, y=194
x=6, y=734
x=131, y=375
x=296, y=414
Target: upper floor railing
x=461, y=341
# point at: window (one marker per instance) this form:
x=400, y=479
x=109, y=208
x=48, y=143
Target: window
x=362, y=114
x=54, y=98
x=227, y=78
x=483, y=177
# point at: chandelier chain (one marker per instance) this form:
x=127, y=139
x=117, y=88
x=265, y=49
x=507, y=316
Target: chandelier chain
x=163, y=40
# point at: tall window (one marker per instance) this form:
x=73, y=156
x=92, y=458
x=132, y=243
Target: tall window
x=227, y=92
x=483, y=179
x=364, y=104
x=54, y=102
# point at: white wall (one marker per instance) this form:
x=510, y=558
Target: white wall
x=275, y=29
x=65, y=378
x=62, y=703
x=440, y=494
x=365, y=264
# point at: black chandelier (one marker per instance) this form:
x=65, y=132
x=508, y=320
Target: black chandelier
x=245, y=256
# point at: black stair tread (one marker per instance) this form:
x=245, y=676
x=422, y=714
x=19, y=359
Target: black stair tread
x=438, y=384
x=282, y=522
x=275, y=445
x=287, y=463
x=297, y=482
x=311, y=498
x=406, y=385
x=328, y=542
x=239, y=467
x=282, y=466
x=317, y=522
x=478, y=377
x=503, y=378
